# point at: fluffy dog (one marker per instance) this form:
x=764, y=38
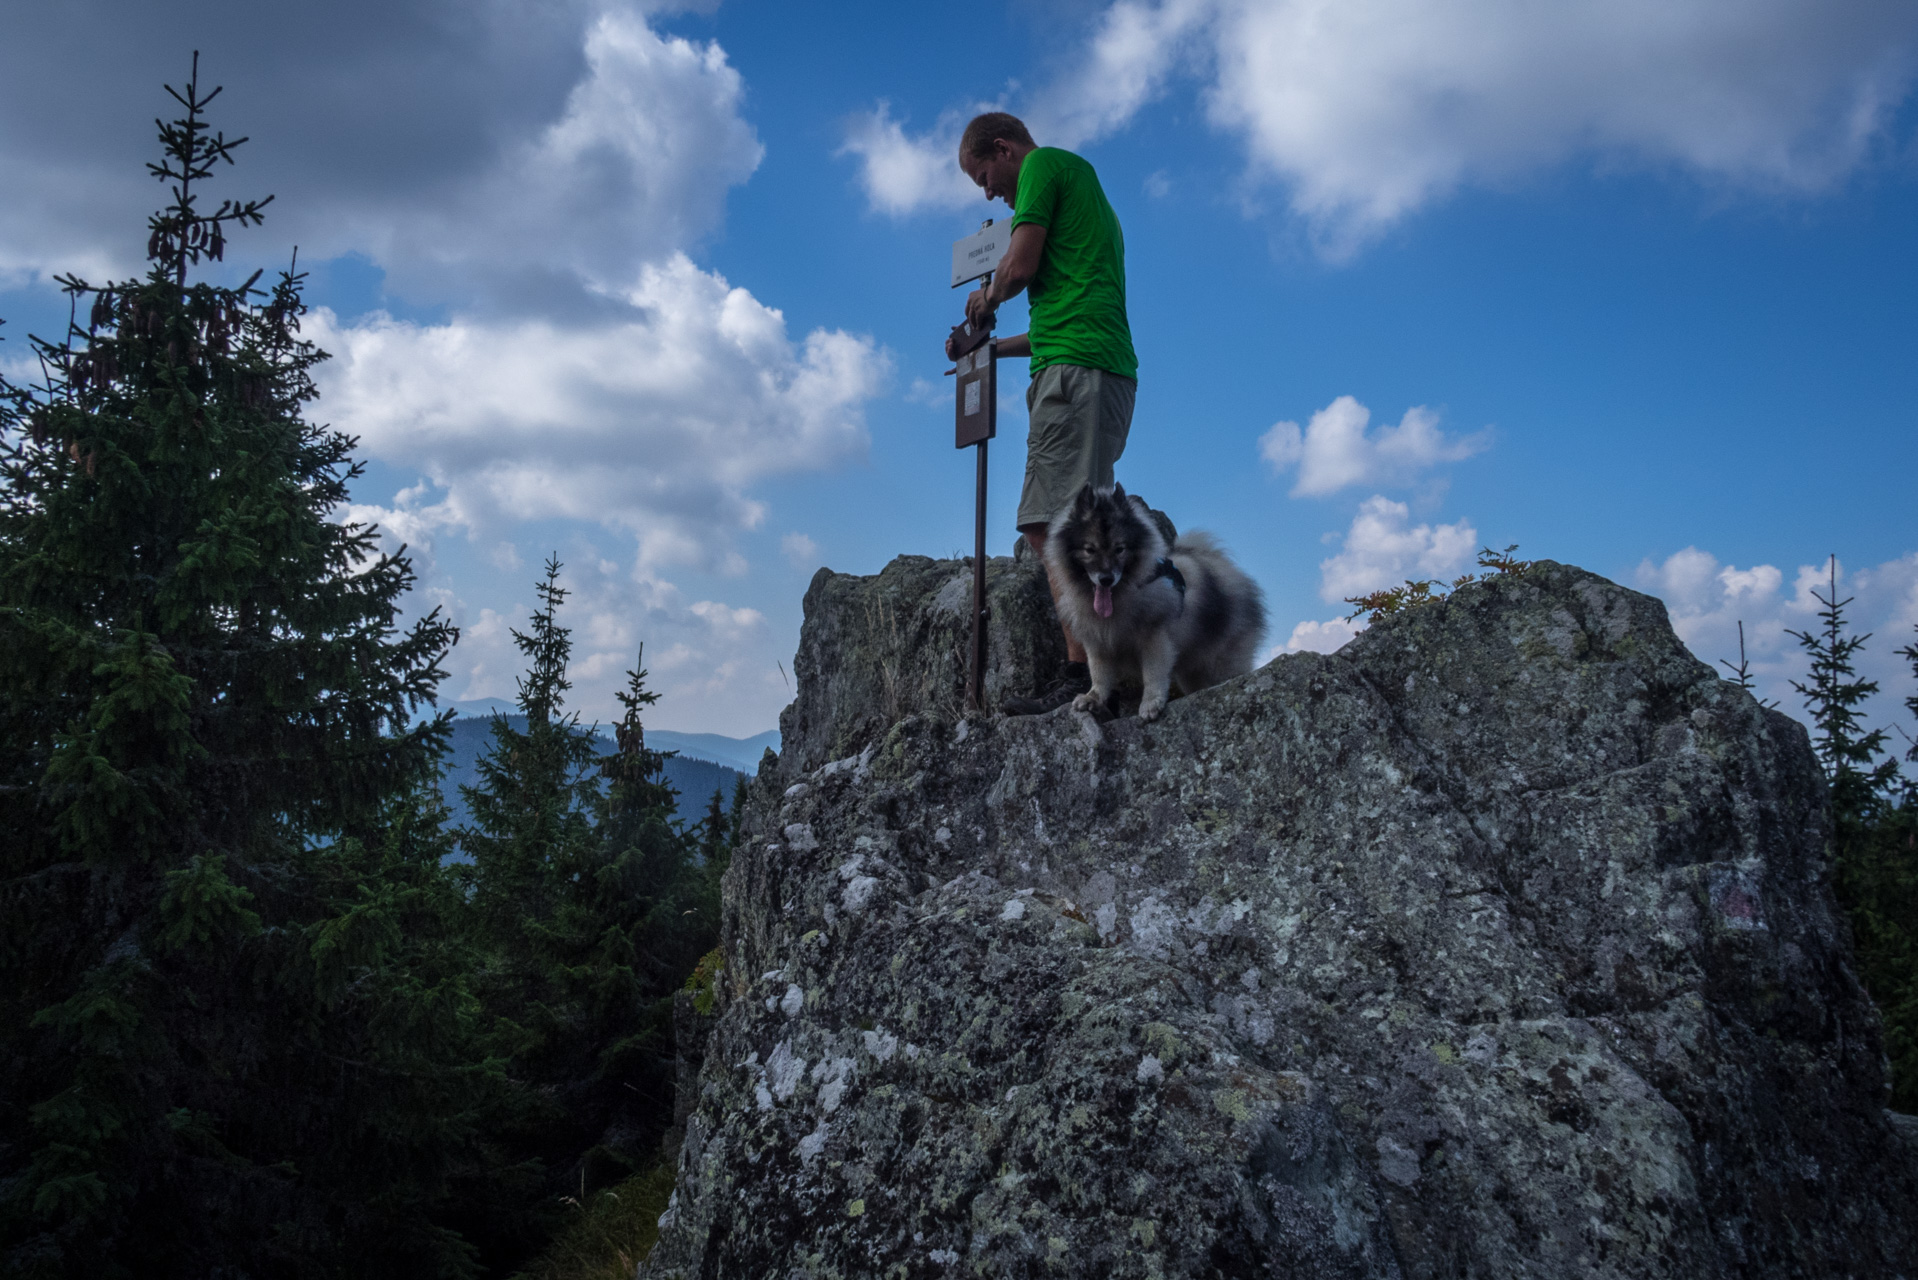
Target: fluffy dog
x=1146, y=613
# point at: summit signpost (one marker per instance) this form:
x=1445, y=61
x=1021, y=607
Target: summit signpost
x=979, y=253
x=976, y=416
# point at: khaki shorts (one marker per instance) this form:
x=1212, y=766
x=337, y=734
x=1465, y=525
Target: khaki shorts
x=1080, y=419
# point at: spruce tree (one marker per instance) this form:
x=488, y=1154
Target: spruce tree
x=1874, y=824
x=235, y=1035
x=738, y=814
x=714, y=828
x=1835, y=696
x=657, y=907
x=718, y=833
x=1877, y=881
x=591, y=909
x=532, y=809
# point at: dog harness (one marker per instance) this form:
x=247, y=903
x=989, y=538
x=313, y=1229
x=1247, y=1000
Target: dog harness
x=1166, y=569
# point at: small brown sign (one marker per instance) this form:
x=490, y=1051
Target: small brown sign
x=975, y=398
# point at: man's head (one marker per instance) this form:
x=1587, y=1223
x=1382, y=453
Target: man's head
x=991, y=151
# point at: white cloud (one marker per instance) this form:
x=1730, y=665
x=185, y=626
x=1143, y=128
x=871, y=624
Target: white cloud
x=726, y=621
x=800, y=551
x=903, y=174
x=1708, y=601
x=656, y=424
x=1366, y=110
x=1384, y=548
x=544, y=178
x=1335, y=450
x=1124, y=65
x=712, y=663
x=541, y=174
x=635, y=169
x=1133, y=50
x=508, y=153
x=925, y=391
x=1312, y=636
x=409, y=524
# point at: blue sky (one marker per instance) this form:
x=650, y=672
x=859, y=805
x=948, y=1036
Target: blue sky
x=1629, y=284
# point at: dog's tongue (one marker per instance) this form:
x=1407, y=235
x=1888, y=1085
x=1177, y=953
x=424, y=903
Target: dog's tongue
x=1102, y=599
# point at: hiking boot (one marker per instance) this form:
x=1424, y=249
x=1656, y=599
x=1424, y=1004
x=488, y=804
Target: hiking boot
x=1074, y=679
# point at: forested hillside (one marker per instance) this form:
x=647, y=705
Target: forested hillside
x=254, y=1020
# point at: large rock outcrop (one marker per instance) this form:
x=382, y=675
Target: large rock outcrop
x=1496, y=944
x=874, y=650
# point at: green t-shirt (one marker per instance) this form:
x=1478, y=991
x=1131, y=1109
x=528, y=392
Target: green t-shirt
x=1077, y=297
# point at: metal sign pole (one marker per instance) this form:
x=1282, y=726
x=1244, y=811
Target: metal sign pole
x=976, y=420
x=979, y=554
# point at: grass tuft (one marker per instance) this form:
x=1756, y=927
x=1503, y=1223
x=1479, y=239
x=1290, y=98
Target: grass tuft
x=704, y=980
x=610, y=1235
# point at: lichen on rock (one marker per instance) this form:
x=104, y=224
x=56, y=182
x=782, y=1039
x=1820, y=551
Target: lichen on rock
x=1496, y=944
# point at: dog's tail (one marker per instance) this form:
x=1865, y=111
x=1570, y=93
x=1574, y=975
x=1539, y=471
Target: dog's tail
x=1231, y=605
x=1198, y=542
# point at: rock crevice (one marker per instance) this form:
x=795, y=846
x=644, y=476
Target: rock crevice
x=1496, y=944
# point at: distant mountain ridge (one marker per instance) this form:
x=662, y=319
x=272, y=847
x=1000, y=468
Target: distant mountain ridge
x=741, y=754
x=704, y=761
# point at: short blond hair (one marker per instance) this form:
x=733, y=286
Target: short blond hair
x=976, y=142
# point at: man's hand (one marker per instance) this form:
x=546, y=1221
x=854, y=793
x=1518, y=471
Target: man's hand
x=979, y=308
x=1017, y=347
x=956, y=342
x=1014, y=273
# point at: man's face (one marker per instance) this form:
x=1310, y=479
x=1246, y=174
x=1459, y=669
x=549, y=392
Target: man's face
x=996, y=174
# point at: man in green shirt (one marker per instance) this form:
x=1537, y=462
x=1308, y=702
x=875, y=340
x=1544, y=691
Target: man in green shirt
x=1068, y=255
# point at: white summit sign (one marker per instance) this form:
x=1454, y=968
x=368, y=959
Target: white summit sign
x=979, y=253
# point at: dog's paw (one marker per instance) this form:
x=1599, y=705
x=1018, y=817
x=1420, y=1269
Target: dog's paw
x=1093, y=701
x=1151, y=709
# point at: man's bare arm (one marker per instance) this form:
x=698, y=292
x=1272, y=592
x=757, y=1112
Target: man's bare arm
x=1017, y=347
x=1014, y=273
